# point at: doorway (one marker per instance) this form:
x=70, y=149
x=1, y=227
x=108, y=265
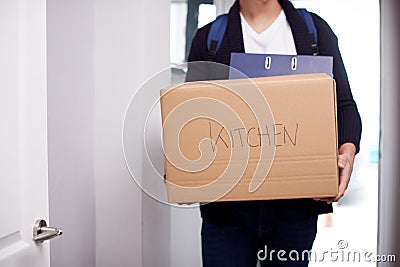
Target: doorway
x=354, y=221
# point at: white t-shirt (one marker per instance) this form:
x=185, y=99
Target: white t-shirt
x=276, y=39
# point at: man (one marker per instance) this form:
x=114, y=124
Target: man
x=233, y=233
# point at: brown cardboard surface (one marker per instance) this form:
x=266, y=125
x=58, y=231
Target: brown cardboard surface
x=301, y=140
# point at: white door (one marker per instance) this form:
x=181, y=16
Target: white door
x=23, y=132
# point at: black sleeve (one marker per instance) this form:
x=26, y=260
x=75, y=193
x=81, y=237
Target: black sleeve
x=195, y=71
x=349, y=121
x=198, y=48
x=199, y=68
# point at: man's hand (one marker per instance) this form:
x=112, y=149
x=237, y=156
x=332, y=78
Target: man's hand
x=346, y=156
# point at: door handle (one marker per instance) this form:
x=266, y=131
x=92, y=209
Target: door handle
x=42, y=233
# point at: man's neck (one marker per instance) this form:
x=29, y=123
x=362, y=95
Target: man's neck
x=260, y=14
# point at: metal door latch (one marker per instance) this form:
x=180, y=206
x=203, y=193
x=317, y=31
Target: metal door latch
x=42, y=233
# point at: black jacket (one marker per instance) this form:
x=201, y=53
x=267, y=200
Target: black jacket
x=349, y=121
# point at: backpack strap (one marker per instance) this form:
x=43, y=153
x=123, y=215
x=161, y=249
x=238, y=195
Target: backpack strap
x=216, y=34
x=312, y=30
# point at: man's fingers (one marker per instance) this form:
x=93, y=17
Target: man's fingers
x=342, y=160
x=340, y=194
x=345, y=163
x=344, y=179
x=323, y=199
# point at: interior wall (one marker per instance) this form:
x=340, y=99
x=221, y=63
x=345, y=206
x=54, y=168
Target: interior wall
x=99, y=52
x=389, y=213
x=185, y=245
x=70, y=44
x=131, y=44
x=223, y=6
x=155, y=47
x=116, y=73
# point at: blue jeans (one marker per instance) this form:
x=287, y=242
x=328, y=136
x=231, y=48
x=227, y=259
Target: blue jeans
x=256, y=231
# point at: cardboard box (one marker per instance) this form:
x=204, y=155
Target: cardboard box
x=250, y=139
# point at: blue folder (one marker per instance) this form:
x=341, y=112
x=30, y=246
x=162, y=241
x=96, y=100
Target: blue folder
x=263, y=65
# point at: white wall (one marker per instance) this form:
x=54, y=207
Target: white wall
x=154, y=53
x=389, y=215
x=131, y=44
x=185, y=237
x=223, y=6
x=116, y=74
x=99, y=52
x=70, y=44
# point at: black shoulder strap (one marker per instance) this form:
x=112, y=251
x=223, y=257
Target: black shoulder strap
x=312, y=30
x=216, y=34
